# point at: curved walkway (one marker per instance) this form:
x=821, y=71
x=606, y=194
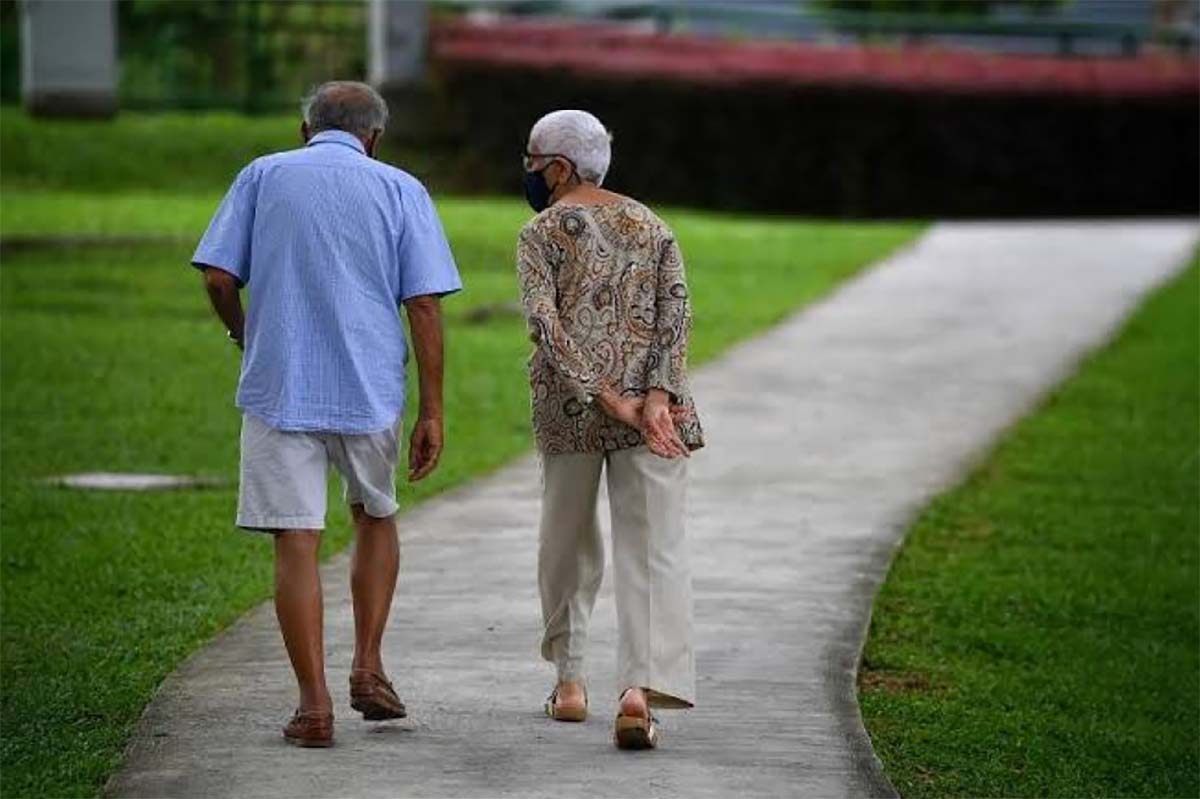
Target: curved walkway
x=825, y=436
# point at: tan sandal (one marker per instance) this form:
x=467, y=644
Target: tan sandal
x=565, y=713
x=635, y=732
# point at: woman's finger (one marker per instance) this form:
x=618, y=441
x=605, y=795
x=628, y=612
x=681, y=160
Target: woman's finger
x=662, y=447
x=677, y=444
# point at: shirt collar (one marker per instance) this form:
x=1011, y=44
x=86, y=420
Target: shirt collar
x=338, y=137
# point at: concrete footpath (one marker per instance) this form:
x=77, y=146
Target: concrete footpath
x=825, y=436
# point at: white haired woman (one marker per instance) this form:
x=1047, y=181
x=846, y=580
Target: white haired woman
x=603, y=290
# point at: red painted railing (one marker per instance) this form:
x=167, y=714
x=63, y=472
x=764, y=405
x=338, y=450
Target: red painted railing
x=598, y=50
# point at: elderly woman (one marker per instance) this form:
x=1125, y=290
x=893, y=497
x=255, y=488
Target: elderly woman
x=603, y=291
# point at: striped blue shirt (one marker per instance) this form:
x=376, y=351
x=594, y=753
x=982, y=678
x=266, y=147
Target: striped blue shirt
x=329, y=242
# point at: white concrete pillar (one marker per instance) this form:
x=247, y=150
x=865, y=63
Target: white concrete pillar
x=69, y=57
x=397, y=35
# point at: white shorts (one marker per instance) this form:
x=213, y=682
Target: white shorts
x=283, y=475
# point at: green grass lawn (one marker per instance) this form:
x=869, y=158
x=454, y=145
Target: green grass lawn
x=173, y=152
x=138, y=151
x=1038, y=633
x=112, y=361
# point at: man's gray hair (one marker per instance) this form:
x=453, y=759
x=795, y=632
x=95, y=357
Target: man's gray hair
x=345, y=105
x=579, y=136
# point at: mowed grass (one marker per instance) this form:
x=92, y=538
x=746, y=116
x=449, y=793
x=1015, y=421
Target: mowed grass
x=136, y=151
x=112, y=361
x=1039, y=632
x=173, y=152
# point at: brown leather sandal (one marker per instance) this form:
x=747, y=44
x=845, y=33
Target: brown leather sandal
x=373, y=695
x=310, y=728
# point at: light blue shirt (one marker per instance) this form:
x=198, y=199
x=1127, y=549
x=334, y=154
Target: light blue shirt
x=329, y=242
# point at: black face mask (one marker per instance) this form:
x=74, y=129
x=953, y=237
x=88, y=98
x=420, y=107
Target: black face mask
x=537, y=192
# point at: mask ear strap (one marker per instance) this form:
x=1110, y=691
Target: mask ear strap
x=553, y=188
x=573, y=173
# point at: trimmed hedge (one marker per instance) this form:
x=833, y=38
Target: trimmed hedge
x=848, y=151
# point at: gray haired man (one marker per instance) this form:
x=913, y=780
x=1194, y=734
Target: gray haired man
x=332, y=242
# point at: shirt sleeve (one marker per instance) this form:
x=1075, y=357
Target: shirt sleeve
x=545, y=327
x=667, y=365
x=226, y=243
x=426, y=263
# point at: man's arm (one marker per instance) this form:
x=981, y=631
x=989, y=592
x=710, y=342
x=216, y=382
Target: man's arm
x=226, y=301
x=425, y=323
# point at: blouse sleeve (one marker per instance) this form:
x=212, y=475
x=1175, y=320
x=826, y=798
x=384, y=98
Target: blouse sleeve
x=667, y=366
x=546, y=329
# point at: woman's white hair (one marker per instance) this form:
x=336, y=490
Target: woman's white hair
x=579, y=136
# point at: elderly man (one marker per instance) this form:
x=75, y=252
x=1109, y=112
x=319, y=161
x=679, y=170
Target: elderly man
x=330, y=242
x=603, y=289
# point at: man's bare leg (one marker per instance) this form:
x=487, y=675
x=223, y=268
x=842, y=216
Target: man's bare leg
x=298, y=607
x=373, y=571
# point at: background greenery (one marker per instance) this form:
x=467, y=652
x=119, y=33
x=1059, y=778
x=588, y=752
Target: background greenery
x=248, y=55
x=1037, y=634
x=112, y=361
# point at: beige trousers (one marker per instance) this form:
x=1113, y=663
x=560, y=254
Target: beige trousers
x=652, y=575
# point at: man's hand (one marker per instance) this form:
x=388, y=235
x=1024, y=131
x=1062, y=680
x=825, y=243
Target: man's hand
x=658, y=426
x=424, y=448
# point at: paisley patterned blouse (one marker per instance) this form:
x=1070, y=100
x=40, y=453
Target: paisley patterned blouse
x=604, y=294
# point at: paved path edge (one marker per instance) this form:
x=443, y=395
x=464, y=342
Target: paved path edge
x=842, y=664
